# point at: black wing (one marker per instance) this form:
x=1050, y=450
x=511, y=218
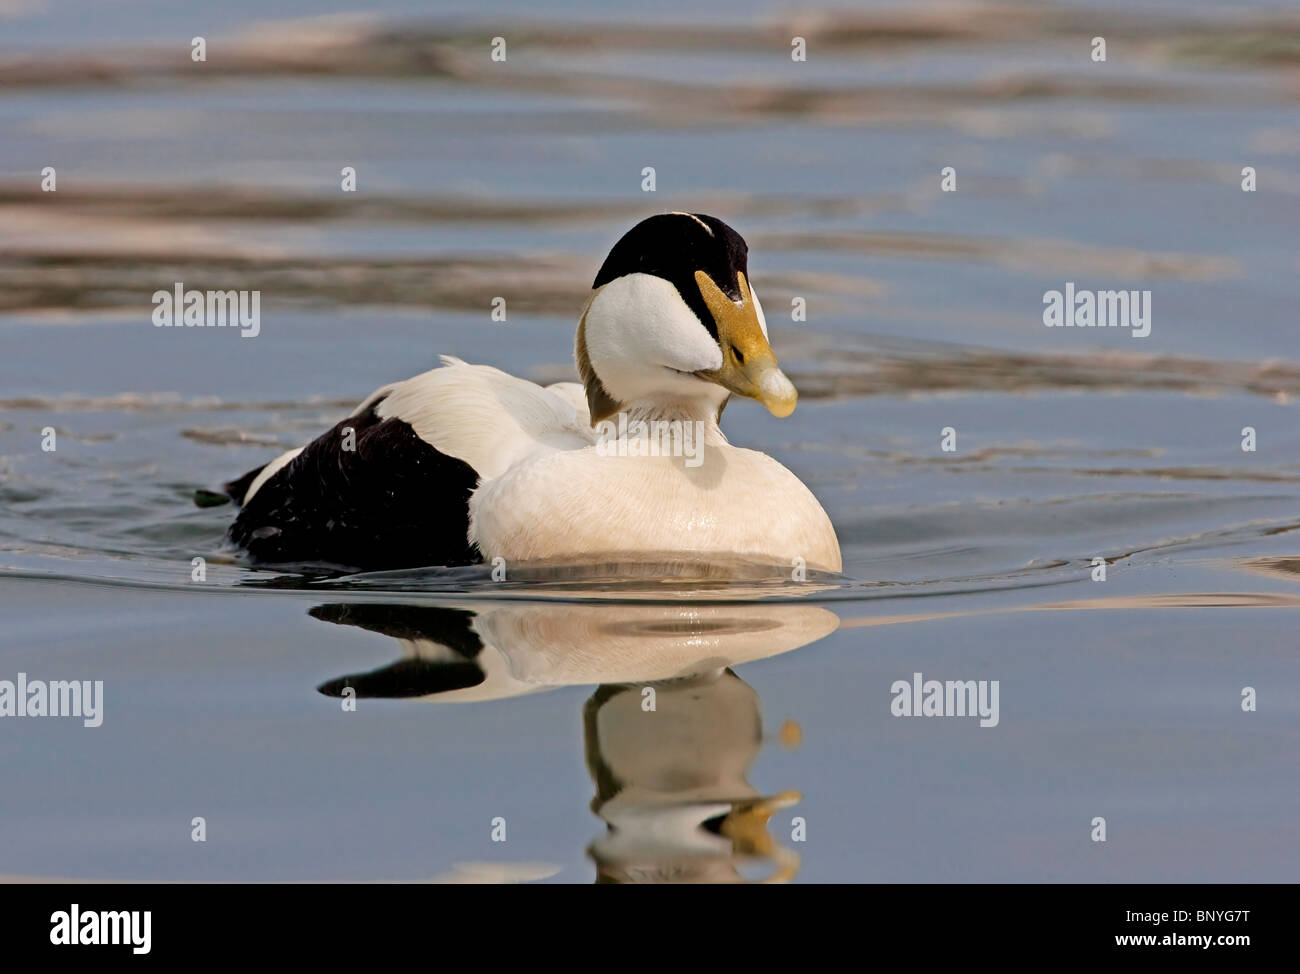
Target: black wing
x=370, y=494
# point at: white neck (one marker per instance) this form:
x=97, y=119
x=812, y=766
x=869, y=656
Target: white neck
x=687, y=410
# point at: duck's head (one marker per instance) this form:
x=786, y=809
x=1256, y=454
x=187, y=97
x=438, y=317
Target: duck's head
x=673, y=321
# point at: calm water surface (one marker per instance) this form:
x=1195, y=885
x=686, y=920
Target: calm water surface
x=771, y=752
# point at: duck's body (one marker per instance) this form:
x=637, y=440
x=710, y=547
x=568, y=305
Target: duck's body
x=466, y=463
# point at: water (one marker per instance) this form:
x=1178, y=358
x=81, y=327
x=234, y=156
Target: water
x=1119, y=699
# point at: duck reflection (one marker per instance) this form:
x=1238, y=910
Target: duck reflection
x=670, y=733
x=671, y=783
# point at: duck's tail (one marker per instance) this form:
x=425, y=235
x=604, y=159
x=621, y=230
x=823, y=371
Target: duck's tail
x=233, y=490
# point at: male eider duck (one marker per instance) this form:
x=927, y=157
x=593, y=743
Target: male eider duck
x=465, y=463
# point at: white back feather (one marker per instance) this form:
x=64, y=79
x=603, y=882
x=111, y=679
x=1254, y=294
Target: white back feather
x=485, y=417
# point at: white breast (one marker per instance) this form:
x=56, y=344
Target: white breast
x=578, y=502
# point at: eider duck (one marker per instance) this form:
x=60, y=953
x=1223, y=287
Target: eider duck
x=465, y=463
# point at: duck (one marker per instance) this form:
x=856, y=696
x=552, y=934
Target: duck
x=466, y=464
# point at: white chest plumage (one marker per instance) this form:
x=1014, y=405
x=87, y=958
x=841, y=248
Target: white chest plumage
x=556, y=504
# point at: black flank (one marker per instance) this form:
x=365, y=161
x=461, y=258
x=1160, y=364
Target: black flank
x=393, y=502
